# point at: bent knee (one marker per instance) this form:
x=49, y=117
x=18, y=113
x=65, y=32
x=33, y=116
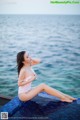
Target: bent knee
x=42, y=84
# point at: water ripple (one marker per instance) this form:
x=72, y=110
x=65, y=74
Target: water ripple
x=54, y=39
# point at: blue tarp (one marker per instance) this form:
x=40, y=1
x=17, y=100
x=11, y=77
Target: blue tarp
x=42, y=106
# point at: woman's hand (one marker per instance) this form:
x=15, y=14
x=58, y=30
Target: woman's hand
x=35, y=61
x=26, y=80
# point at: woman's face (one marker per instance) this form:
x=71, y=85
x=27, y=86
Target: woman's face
x=27, y=58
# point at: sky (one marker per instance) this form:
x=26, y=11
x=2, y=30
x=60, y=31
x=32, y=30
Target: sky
x=37, y=7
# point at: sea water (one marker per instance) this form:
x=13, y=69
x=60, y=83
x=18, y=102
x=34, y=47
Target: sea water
x=55, y=39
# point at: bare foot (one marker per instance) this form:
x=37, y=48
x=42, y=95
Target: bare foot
x=66, y=99
x=72, y=98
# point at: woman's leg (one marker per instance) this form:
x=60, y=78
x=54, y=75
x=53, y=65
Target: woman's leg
x=30, y=94
x=70, y=97
x=67, y=96
x=43, y=87
x=57, y=93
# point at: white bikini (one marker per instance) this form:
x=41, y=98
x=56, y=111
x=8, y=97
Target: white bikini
x=27, y=87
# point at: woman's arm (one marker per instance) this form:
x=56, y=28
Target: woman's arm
x=35, y=61
x=23, y=79
x=26, y=80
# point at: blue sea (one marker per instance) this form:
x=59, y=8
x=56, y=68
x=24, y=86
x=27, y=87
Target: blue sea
x=55, y=39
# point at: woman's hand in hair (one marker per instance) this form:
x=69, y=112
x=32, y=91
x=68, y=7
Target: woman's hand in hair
x=35, y=61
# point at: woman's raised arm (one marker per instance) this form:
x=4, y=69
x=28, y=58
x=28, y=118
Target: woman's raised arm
x=35, y=61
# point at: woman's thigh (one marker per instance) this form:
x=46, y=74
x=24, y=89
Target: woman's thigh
x=32, y=93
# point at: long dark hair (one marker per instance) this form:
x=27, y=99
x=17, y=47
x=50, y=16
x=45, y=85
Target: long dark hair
x=20, y=59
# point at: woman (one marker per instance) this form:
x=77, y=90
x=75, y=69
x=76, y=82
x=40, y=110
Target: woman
x=25, y=77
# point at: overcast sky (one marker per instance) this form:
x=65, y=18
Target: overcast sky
x=36, y=7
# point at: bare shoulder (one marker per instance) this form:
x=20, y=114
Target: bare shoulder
x=22, y=73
